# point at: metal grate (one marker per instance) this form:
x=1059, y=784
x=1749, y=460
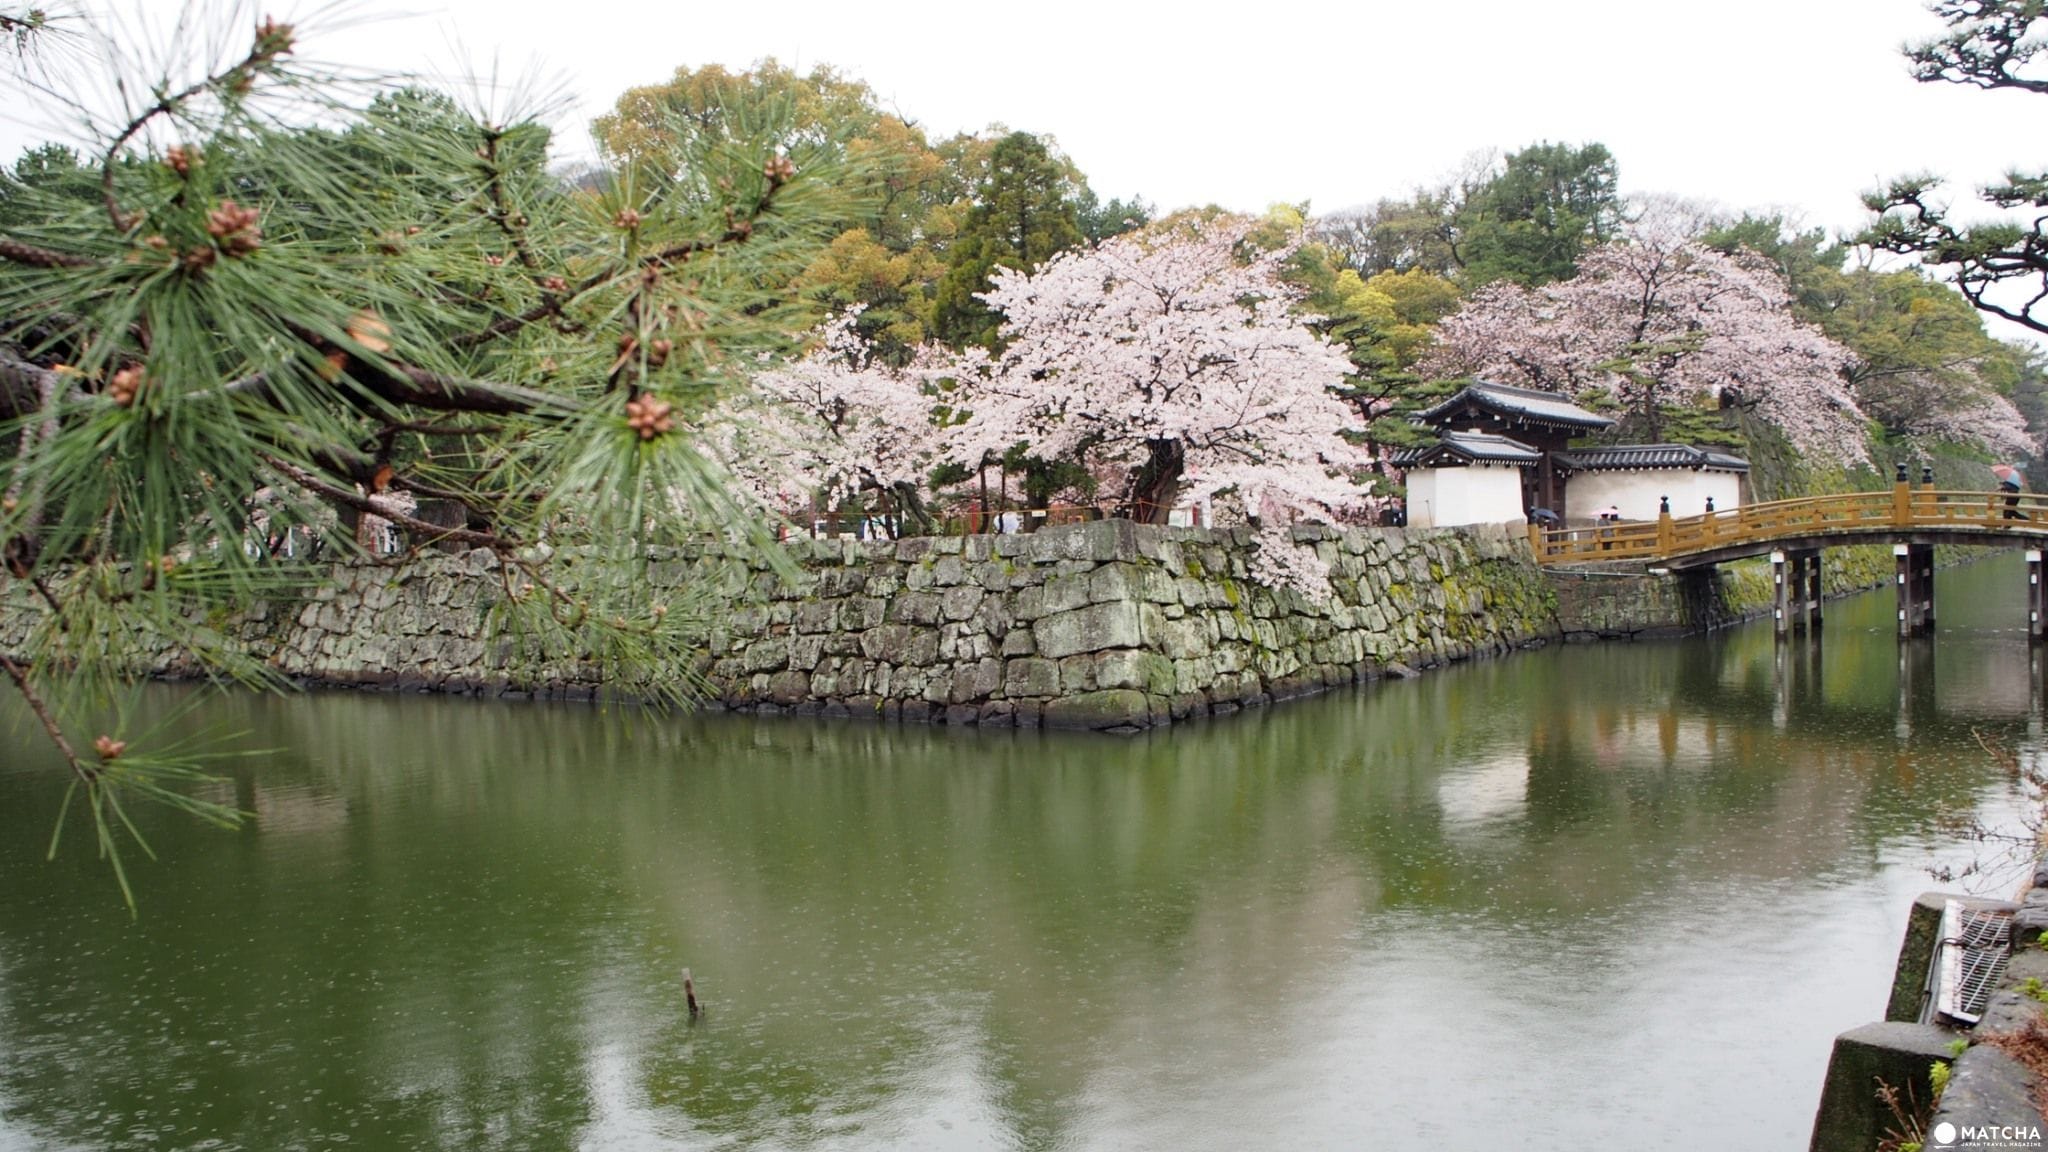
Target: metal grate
x=1970, y=959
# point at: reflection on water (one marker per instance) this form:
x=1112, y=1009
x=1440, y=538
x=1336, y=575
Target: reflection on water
x=1618, y=893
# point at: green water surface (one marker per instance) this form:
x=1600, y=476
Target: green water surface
x=1616, y=896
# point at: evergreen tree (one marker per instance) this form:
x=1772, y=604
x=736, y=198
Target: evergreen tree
x=1548, y=205
x=236, y=326
x=1024, y=213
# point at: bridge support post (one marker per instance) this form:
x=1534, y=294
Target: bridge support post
x=1781, y=585
x=1813, y=596
x=2037, y=598
x=1915, y=575
x=1923, y=559
x=1802, y=594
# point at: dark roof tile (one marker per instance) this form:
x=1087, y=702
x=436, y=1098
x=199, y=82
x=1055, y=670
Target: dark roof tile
x=1621, y=457
x=1470, y=447
x=1522, y=403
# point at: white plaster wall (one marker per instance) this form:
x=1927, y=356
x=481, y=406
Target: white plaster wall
x=1422, y=498
x=1637, y=493
x=1479, y=494
x=1724, y=487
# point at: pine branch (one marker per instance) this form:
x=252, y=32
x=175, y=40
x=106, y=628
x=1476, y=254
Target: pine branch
x=738, y=231
x=419, y=388
x=272, y=41
x=361, y=503
x=19, y=252
x=86, y=773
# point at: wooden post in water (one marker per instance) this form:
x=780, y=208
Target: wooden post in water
x=1781, y=583
x=1903, y=561
x=2037, y=598
x=690, y=995
x=1915, y=563
x=1798, y=592
x=1924, y=562
x=1813, y=589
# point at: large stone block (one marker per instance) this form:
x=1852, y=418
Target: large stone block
x=960, y=603
x=766, y=655
x=817, y=616
x=977, y=681
x=1089, y=629
x=1157, y=585
x=1145, y=671
x=788, y=688
x=901, y=644
x=1031, y=677
x=1098, y=540
x=1112, y=582
x=915, y=608
x=1114, y=708
x=805, y=651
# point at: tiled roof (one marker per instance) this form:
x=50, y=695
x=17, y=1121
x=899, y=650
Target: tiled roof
x=1642, y=456
x=1522, y=403
x=1471, y=447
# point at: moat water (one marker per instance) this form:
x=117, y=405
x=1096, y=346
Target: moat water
x=1615, y=896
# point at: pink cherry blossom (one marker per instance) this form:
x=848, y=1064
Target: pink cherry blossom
x=830, y=424
x=1172, y=365
x=1655, y=322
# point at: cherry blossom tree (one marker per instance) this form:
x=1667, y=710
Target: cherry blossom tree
x=1957, y=406
x=1656, y=322
x=835, y=423
x=1172, y=366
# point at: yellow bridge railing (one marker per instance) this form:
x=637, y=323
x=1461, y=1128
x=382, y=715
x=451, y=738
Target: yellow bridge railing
x=1856, y=516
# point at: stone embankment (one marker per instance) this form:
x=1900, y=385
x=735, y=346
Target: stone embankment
x=1108, y=625
x=1114, y=624
x=1983, y=1097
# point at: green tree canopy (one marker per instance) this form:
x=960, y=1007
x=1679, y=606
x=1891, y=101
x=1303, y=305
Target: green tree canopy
x=1545, y=208
x=1025, y=212
x=1525, y=217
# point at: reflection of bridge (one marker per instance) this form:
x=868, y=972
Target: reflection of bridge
x=1793, y=532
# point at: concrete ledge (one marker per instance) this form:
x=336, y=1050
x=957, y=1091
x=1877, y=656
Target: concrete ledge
x=1850, y=1118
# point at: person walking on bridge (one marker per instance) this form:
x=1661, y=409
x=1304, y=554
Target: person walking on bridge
x=2009, y=477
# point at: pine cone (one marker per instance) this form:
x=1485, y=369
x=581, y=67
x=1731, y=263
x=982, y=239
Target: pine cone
x=649, y=416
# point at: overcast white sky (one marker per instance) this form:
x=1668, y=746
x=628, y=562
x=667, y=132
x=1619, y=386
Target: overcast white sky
x=1796, y=104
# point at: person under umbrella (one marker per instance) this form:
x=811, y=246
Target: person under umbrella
x=2010, y=482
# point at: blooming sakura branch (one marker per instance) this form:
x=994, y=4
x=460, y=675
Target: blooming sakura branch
x=1656, y=323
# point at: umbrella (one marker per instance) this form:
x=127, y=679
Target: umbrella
x=1543, y=516
x=1609, y=513
x=2007, y=474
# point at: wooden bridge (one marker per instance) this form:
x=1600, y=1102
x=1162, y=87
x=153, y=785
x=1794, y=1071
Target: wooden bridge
x=1912, y=518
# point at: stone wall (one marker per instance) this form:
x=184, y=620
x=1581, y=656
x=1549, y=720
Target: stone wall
x=1623, y=602
x=1101, y=625
x=1113, y=624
